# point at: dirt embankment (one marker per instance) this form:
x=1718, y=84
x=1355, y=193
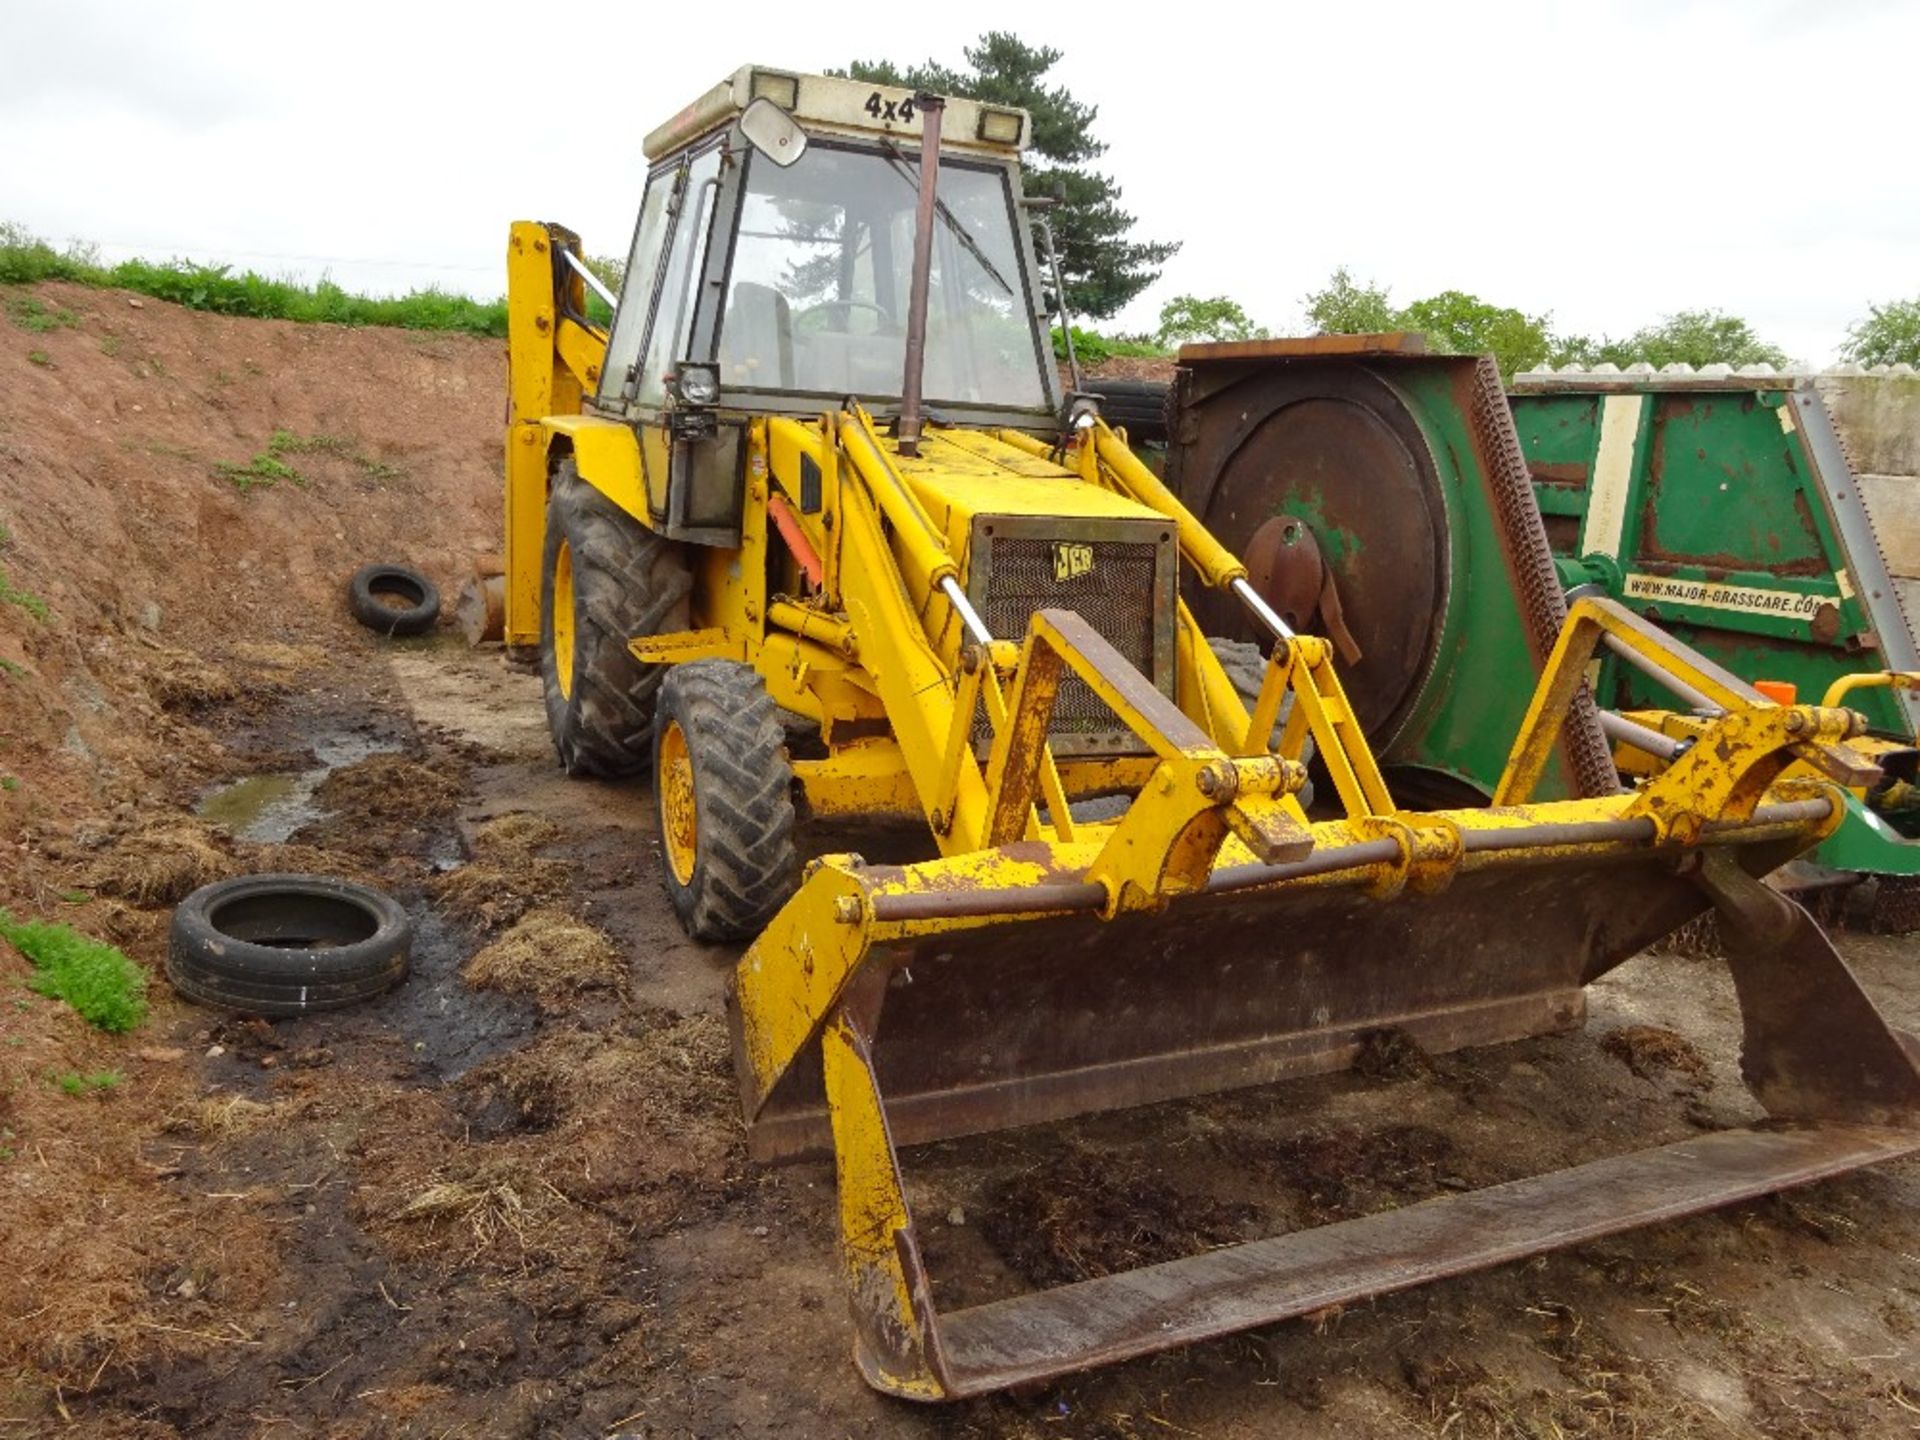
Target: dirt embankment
x=182, y=497
x=182, y=492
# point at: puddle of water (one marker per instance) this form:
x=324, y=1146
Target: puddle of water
x=268, y=808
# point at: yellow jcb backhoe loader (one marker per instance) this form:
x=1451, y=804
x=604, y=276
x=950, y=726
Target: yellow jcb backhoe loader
x=818, y=476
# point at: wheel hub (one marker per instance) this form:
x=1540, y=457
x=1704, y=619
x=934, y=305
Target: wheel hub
x=679, y=817
x=563, y=619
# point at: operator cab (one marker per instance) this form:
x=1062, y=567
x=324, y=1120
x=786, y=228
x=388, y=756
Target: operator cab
x=771, y=271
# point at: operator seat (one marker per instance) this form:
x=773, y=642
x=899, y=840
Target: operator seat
x=756, y=342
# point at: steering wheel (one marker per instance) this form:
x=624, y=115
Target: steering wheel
x=885, y=315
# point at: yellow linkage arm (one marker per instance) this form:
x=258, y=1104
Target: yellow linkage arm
x=1727, y=771
x=1214, y=562
x=551, y=363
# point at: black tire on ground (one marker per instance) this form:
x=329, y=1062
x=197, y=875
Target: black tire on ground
x=1246, y=666
x=419, y=609
x=744, y=865
x=1137, y=406
x=280, y=945
x=627, y=582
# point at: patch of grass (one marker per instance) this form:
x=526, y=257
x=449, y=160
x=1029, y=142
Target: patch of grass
x=33, y=315
x=258, y=473
x=75, y=897
x=26, y=259
x=27, y=601
x=12, y=668
x=96, y=979
x=1091, y=348
x=269, y=465
x=110, y=346
x=9, y=782
x=41, y=358
x=75, y=1083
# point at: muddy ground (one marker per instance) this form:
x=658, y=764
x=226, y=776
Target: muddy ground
x=511, y=1197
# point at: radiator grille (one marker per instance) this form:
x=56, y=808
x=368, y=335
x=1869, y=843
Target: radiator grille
x=1120, y=594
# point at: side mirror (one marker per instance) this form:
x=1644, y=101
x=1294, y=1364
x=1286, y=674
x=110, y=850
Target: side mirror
x=773, y=132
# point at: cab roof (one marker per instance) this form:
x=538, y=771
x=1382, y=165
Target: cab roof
x=830, y=104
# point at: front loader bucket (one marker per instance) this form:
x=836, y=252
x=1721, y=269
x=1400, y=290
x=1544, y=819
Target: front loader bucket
x=982, y=992
x=996, y=1013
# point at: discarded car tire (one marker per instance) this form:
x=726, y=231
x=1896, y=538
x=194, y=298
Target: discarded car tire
x=279, y=945
x=418, y=596
x=1137, y=406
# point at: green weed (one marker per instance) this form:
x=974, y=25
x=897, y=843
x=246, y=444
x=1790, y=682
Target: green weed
x=110, y=346
x=96, y=979
x=74, y=1083
x=75, y=897
x=9, y=782
x=27, y=601
x=33, y=315
x=268, y=466
x=26, y=259
x=12, y=668
x=258, y=473
x=40, y=357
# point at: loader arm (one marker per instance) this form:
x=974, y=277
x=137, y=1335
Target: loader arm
x=1580, y=885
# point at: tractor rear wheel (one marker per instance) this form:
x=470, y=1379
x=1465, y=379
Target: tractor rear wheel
x=724, y=789
x=605, y=579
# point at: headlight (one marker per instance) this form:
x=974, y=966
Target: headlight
x=1001, y=127
x=697, y=384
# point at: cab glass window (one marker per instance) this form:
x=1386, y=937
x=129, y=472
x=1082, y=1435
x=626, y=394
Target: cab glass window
x=636, y=292
x=686, y=256
x=822, y=267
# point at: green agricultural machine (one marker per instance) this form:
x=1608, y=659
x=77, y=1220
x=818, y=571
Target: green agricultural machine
x=1404, y=505
x=1378, y=496
x=1722, y=506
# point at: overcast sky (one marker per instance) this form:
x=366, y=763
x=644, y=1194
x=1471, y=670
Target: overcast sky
x=1601, y=161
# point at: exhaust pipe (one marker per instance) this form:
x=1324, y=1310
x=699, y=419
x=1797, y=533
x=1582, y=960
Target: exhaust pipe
x=911, y=420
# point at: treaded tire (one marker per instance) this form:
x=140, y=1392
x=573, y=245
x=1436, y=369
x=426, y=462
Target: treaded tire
x=1246, y=666
x=370, y=582
x=1137, y=406
x=627, y=582
x=744, y=864
x=280, y=945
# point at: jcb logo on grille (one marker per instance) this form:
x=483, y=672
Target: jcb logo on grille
x=1070, y=562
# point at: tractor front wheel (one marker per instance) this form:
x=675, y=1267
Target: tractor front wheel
x=724, y=789
x=606, y=579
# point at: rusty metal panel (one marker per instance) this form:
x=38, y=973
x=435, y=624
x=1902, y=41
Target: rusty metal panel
x=1391, y=342
x=1118, y=1317
x=1018, y=1023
